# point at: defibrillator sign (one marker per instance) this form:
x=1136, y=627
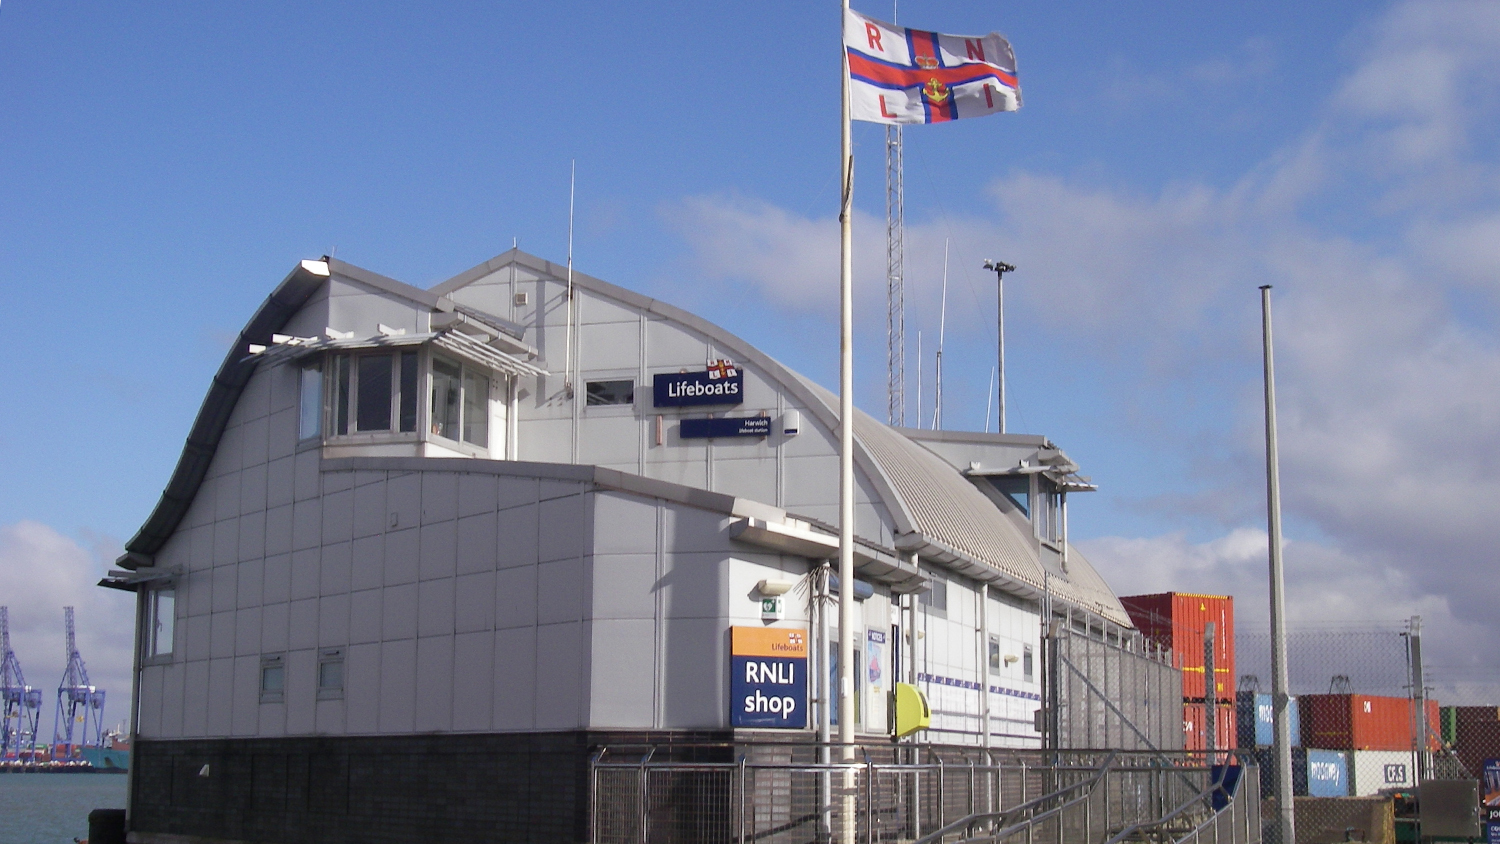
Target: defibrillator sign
x=768, y=678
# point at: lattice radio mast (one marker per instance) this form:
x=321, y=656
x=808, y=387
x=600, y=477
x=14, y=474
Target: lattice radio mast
x=895, y=272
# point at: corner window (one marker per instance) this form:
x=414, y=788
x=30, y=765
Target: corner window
x=460, y=402
x=272, y=679
x=162, y=616
x=1046, y=517
x=372, y=393
x=331, y=674
x=609, y=392
x=310, y=417
x=936, y=596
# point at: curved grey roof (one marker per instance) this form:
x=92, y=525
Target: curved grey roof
x=935, y=510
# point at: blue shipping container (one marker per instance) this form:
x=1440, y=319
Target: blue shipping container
x=1267, y=763
x=1253, y=719
x=1327, y=773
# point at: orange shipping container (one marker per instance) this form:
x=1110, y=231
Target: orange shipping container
x=1195, y=726
x=1177, y=620
x=1363, y=722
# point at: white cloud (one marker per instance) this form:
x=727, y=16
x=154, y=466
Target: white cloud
x=43, y=571
x=1370, y=225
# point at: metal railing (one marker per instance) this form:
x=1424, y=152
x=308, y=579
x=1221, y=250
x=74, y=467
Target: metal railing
x=781, y=794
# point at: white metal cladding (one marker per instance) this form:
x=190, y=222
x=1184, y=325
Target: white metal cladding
x=948, y=511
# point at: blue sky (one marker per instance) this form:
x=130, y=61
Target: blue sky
x=161, y=168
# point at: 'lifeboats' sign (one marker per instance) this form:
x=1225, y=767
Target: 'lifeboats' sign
x=768, y=678
x=721, y=383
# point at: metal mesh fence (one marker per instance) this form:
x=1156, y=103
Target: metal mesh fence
x=907, y=793
x=1370, y=734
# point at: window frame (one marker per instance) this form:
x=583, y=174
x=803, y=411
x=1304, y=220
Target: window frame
x=276, y=663
x=466, y=369
x=341, y=395
x=154, y=622
x=328, y=657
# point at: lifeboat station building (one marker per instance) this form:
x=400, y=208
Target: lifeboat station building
x=427, y=550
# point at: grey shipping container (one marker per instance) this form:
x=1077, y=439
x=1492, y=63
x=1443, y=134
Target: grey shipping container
x=1253, y=717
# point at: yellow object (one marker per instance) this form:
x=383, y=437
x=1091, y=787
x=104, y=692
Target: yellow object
x=912, y=711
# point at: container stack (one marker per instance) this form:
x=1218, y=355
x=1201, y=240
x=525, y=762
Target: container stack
x=1177, y=620
x=1473, y=734
x=1375, y=734
x=1315, y=773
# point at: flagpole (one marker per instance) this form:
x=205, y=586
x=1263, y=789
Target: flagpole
x=846, y=437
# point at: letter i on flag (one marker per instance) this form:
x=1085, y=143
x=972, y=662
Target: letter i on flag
x=900, y=75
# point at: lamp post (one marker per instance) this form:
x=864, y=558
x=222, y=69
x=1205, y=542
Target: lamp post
x=1000, y=268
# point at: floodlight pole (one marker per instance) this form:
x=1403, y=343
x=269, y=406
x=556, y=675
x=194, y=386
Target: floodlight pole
x=1000, y=268
x=1282, y=746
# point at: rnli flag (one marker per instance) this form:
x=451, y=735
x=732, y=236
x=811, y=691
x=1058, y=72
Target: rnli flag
x=900, y=75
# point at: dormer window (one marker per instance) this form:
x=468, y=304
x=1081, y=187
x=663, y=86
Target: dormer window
x=374, y=392
x=460, y=402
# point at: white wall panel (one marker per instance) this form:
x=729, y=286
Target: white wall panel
x=515, y=696
x=398, y=677
x=473, y=680
x=365, y=616
x=439, y=553
x=362, y=672
x=367, y=563
x=305, y=573
x=474, y=602
x=434, y=684
x=334, y=569
x=560, y=666
x=435, y=607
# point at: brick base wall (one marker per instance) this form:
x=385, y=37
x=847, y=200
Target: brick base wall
x=511, y=787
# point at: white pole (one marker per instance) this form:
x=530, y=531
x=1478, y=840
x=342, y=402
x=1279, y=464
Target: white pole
x=937, y=400
x=1280, y=679
x=846, y=445
x=568, y=353
x=989, y=401
x=919, y=379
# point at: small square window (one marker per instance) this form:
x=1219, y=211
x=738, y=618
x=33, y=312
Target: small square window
x=609, y=392
x=331, y=674
x=936, y=596
x=272, y=679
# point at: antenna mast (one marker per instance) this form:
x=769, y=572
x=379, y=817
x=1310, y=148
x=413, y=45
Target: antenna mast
x=895, y=278
x=937, y=399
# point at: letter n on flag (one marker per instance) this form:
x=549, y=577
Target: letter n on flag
x=900, y=75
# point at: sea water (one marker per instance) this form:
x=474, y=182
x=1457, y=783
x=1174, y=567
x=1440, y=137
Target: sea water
x=54, y=808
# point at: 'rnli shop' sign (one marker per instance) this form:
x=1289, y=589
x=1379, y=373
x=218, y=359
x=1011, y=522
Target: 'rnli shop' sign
x=721, y=383
x=768, y=682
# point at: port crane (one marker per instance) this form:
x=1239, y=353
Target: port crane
x=80, y=706
x=20, y=704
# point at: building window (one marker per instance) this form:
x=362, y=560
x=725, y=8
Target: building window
x=272, y=679
x=331, y=674
x=609, y=392
x=1027, y=663
x=1046, y=517
x=372, y=393
x=994, y=653
x=162, y=613
x=936, y=596
x=460, y=402
x=310, y=420
x=1016, y=489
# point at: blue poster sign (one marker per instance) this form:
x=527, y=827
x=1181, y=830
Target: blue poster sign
x=743, y=426
x=1492, y=801
x=768, y=678
x=720, y=385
